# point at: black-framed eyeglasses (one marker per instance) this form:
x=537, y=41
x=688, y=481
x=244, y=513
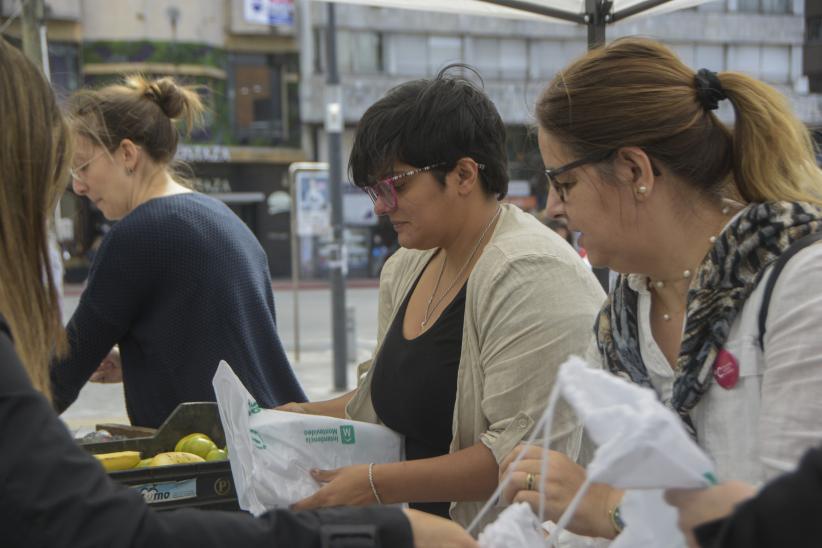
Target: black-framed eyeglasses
x=561, y=188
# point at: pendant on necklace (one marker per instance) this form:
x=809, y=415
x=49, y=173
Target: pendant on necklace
x=422, y=324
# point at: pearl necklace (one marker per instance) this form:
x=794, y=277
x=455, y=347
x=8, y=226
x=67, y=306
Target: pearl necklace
x=686, y=274
x=428, y=309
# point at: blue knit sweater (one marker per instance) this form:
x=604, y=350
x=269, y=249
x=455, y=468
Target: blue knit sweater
x=180, y=283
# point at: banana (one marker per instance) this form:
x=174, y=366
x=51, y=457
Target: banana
x=121, y=460
x=174, y=457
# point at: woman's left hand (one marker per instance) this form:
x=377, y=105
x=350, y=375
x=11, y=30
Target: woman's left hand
x=347, y=486
x=565, y=477
x=698, y=506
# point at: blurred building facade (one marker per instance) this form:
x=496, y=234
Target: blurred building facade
x=250, y=78
x=265, y=85
x=379, y=48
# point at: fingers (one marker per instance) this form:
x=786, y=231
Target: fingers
x=529, y=452
x=680, y=497
x=308, y=503
x=435, y=532
x=291, y=407
x=107, y=372
x=529, y=497
x=323, y=476
x=521, y=481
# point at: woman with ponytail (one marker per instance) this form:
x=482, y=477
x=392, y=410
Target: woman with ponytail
x=699, y=218
x=180, y=282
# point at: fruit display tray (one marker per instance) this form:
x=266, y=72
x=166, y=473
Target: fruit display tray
x=206, y=485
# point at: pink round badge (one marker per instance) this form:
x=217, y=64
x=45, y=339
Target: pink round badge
x=726, y=369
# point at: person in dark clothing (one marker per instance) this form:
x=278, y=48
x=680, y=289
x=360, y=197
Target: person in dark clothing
x=179, y=283
x=733, y=515
x=54, y=494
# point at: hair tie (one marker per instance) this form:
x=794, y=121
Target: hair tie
x=709, y=89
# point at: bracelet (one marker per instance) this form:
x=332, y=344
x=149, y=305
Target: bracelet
x=616, y=519
x=371, y=481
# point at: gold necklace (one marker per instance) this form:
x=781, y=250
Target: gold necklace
x=428, y=309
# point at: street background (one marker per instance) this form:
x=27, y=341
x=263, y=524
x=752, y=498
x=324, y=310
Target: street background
x=103, y=403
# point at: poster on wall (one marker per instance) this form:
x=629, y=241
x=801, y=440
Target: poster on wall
x=269, y=12
x=313, y=203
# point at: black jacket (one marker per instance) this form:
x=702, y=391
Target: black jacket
x=785, y=513
x=54, y=495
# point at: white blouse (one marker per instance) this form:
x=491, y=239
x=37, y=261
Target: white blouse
x=760, y=427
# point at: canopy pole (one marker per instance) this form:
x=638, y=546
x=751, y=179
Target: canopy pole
x=597, y=15
x=636, y=9
x=529, y=7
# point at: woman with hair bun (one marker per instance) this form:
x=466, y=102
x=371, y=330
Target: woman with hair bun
x=180, y=282
x=54, y=492
x=700, y=219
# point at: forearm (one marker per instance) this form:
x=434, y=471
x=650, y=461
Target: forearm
x=467, y=475
x=90, y=340
x=330, y=408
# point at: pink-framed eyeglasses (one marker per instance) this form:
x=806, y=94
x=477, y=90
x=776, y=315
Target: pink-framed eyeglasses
x=386, y=189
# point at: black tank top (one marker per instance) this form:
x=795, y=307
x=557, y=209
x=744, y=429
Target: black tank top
x=415, y=385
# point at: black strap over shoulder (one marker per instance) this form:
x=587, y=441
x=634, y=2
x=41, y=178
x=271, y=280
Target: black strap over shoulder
x=778, y=265
x=4, y=327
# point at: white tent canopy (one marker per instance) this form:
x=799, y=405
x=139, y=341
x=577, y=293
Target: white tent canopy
x=567, y=11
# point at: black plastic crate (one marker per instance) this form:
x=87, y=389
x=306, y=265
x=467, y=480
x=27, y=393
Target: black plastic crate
x=206, y=485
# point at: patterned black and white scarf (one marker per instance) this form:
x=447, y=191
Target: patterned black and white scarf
x=725, y=279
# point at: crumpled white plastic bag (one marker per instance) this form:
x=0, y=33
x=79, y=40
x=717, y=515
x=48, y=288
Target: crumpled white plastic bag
x=515, y=526
x=642, y=448
x=272, y=452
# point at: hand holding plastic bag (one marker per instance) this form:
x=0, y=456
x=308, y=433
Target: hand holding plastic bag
x=642, y=447
x=272, y=452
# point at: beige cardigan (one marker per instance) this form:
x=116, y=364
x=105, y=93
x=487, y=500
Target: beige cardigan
x=530, y=303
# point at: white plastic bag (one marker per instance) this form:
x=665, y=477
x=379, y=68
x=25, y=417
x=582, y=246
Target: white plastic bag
x=515, y=526
x=642, y=448
x=272, y=452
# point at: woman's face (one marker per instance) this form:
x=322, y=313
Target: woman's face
x=100, y=176
x=593, y=207
x=423, y=209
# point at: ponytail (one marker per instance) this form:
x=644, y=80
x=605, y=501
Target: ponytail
x=773, y=154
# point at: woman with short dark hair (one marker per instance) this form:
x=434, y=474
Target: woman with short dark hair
x=477, y=310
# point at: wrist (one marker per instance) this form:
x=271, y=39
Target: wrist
x=373, y=484
x=611, y=523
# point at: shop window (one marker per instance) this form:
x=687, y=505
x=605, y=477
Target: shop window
x=709, y=57
x=358, y=52
x=813, y=30
x=258, y=109
x=547, y=57
x=764, y=6
x=770, y=63
x=443, y=50
x=409, y=54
